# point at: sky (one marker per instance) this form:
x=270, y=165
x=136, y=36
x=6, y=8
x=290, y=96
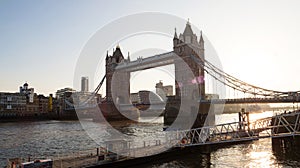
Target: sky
x=40, y=41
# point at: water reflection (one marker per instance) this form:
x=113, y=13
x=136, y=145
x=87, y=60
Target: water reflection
x=256, y=116
x=41, y=139
x=189, y=160
x=144, y=133
x=251, y=154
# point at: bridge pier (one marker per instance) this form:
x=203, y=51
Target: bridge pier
x=112, y=113
x=172, y=111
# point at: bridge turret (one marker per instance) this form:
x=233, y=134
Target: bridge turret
x=128, y=58
x=201, y=43
x=175, y=39
x=175, y=34
x=107, y=57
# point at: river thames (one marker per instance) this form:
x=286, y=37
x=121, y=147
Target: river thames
x=49, y=139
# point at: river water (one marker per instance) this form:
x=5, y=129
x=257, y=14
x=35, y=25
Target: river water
x=48, y=139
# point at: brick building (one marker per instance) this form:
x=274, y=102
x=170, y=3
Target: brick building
x=12, y=104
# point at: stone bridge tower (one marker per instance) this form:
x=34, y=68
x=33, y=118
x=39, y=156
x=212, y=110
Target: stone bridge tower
x=185, y=46
x=189, y=84
x=117, y=86
x=117, y=82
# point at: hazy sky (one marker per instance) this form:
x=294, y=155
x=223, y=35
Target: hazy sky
x=40, y=41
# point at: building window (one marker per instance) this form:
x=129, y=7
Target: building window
x=9, y=98
x=8, y=106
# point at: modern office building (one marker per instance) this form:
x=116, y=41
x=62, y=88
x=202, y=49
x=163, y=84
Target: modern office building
x=62, y=96
x=84, y=84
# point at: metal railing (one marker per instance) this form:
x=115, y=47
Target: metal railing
x=277, y=126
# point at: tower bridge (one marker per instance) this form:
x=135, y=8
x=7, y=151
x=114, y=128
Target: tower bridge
x=118, y=71
x=187, y=56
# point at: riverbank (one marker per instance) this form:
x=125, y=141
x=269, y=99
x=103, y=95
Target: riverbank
x=41, y=117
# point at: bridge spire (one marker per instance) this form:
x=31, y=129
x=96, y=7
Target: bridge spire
x=201, y=38
x=106, y=55
x=201, y=42
x=188, y=29
x=175, y=34
x=175, y=39
x=128, y=58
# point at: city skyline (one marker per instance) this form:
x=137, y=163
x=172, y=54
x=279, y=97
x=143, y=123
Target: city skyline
x=41, y=41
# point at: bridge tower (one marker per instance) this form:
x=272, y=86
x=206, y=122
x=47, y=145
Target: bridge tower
x=117, y=85
x=117, y=82
x=185, y=46
x=189, y=87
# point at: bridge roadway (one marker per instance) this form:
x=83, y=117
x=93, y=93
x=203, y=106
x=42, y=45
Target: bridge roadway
x=147, y=63
x=252, y=100
x=160, y=106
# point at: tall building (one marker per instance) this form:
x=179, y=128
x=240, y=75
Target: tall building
x=84, y=84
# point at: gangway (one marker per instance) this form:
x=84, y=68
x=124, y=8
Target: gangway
x=282, y=125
